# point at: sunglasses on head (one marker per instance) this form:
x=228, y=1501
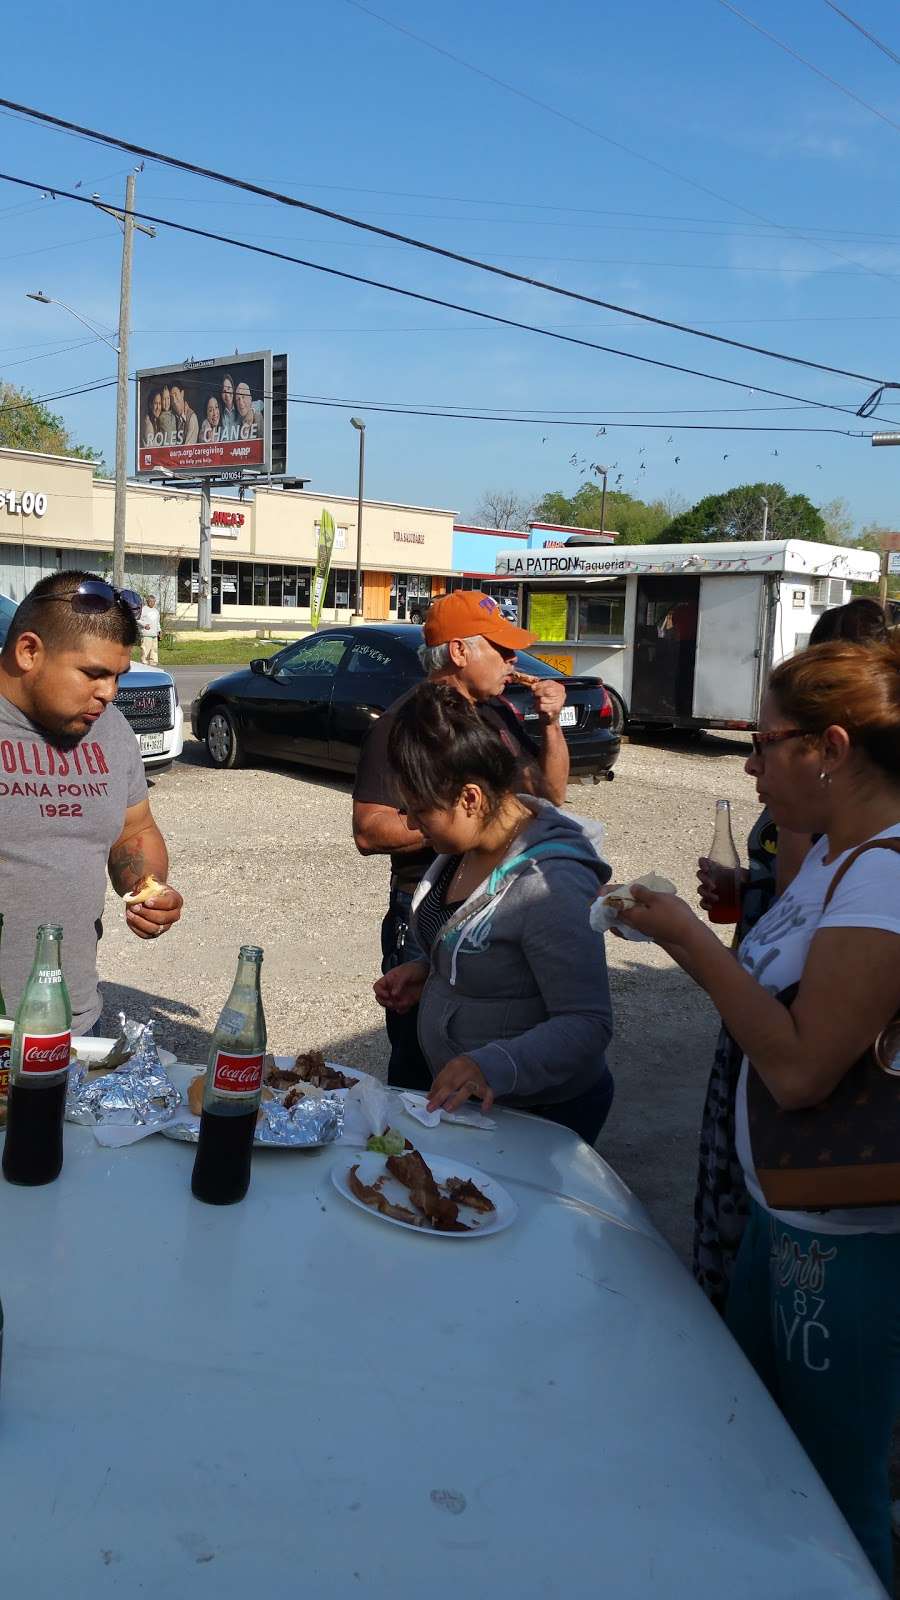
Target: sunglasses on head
x=94, y=596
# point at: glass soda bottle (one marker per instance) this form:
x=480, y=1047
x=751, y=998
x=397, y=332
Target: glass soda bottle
x=39, y=1068
x=726, y=868
x=233, y=1089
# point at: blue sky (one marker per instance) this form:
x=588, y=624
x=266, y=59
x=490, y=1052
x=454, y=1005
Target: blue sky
x=330, y=104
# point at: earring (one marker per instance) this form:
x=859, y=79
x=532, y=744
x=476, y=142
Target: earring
x=825, y=777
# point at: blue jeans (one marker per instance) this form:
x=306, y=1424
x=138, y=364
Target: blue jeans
x=818, y=1315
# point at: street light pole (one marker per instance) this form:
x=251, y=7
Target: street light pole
x=765, y=521
x=126, y=218
x=360, y=427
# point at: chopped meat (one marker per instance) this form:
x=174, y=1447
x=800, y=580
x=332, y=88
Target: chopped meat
x=415, y=1174
x=464, y=1192
x=313, y=1068
x=370, y=1194
x=527, y=680
x=282, y=1078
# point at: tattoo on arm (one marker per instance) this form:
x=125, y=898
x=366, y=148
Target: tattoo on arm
x=127, y=864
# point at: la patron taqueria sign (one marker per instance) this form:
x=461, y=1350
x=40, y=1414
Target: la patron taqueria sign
x=782, y=555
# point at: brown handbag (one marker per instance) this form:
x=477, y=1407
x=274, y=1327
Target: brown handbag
x=846, y=1150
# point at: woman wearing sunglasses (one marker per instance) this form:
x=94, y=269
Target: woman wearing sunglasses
x=815, y=1296
x=775, y=856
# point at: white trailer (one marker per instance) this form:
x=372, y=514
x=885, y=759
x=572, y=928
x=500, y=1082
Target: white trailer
x=681, y=634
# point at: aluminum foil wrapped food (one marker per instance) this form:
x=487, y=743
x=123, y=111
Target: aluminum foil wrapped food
x=309, y=1121
x=137, y=1094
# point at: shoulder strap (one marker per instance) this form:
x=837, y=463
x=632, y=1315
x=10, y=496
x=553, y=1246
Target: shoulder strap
x=844, y=868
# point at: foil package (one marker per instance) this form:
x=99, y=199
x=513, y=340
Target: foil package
x=309, y=1122
x=138, y=1093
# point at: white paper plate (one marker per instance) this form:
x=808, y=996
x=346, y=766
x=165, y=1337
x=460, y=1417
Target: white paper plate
x=371, y=1166
x=91, y=1050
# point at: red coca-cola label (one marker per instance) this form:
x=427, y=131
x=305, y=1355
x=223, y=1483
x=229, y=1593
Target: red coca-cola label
x=45, y=1053
x=237, y=1075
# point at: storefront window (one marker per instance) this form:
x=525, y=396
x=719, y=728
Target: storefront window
x=186, y=592
x=260, y=584
x=289, y=588
x=229, y=583
x=245, y=583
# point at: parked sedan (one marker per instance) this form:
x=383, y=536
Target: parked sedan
x=147, y=699
x=315, y=700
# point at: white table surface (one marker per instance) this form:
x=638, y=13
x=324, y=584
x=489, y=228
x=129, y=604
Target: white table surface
x=290, y=1398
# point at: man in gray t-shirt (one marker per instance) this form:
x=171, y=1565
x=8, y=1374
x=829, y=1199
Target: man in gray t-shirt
x=73, y=797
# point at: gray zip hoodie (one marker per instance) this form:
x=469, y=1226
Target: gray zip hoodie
x=518, y=977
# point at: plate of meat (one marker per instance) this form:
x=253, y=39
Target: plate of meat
x=309, y=1070
x=426, y=1193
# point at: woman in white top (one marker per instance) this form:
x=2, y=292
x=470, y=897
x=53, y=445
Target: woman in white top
x=815, y=1298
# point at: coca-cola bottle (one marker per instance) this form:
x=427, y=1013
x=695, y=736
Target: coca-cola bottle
x=726, y=868
x=233, y=1089
x=39, y=1066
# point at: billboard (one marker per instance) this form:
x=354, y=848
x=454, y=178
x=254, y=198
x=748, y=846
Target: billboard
x=210, y=418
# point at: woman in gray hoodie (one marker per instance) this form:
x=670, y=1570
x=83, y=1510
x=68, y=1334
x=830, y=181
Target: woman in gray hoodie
x=514, y=1001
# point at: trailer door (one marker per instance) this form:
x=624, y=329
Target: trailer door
x=726, y=676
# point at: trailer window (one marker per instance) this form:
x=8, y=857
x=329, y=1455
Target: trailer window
x=601, y=616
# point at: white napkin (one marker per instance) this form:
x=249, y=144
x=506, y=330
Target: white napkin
x=367, y=1110
x=604, y=918
x=113, y=1135
x=417, y=1106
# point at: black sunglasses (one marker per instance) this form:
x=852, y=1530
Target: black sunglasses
x=94, y=596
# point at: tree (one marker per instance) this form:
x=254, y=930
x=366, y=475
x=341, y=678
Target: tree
x=738, y=514
x=838, y=520
x=870, y=539
x=635, y=521
x=501, y=508
x=26, y=424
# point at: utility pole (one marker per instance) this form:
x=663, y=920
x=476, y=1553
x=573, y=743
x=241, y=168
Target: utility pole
x=204, y=573
x=122, y=387
x=765, y=522
x=360, y=427
x=126, y=218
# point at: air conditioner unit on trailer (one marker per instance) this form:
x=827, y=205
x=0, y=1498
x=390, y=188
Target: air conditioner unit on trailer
x=827, y=592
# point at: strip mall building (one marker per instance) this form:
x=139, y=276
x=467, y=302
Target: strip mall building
x=55, y=513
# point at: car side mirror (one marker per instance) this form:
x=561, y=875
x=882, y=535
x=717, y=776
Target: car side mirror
x=262, y=666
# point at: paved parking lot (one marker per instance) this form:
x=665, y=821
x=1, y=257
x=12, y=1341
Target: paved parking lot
x=265, y=856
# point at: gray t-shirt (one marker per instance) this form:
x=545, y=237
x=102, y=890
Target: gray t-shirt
x=61, y=811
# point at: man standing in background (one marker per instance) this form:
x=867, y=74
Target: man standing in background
x=150, y=624
x=469, y=644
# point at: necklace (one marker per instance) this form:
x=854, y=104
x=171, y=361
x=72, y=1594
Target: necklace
x=494, y=856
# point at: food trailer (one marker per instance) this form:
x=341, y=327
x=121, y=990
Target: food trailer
x=682, y=635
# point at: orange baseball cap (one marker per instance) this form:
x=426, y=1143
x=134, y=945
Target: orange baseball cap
x=466, y=613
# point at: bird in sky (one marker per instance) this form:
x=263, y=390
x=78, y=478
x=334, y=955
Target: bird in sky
x=677, y=459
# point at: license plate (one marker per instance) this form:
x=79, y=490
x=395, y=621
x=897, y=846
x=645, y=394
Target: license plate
x=151, y=744
x=568, y=717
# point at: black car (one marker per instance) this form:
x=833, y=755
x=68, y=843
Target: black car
x=314, y=701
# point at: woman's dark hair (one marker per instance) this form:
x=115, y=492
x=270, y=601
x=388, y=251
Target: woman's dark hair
x=861, y=621
x=851, y=686
x=440, y=741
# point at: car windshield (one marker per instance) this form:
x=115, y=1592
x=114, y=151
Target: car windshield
x=7, y=612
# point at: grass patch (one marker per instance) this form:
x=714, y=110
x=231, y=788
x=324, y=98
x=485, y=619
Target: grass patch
x=213, y=652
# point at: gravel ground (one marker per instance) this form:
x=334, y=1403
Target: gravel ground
x=265, y=856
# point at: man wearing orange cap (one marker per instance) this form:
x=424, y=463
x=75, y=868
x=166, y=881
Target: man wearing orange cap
x=469, y=644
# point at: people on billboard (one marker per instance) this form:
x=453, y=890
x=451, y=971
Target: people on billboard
x=167, y=423
x=187, y=426
x=230, y=419
x=210, y=427
x=249, y=412
x=151, y=427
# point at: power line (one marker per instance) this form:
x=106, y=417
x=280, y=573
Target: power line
x=790, y=51
x=556, y=422
x=472, y=311
x=585, y=127
x=418, y=244
x=63, y=394
x=873, y=39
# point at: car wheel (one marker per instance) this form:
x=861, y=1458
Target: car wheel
x=619, y=717
x=223, y=744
